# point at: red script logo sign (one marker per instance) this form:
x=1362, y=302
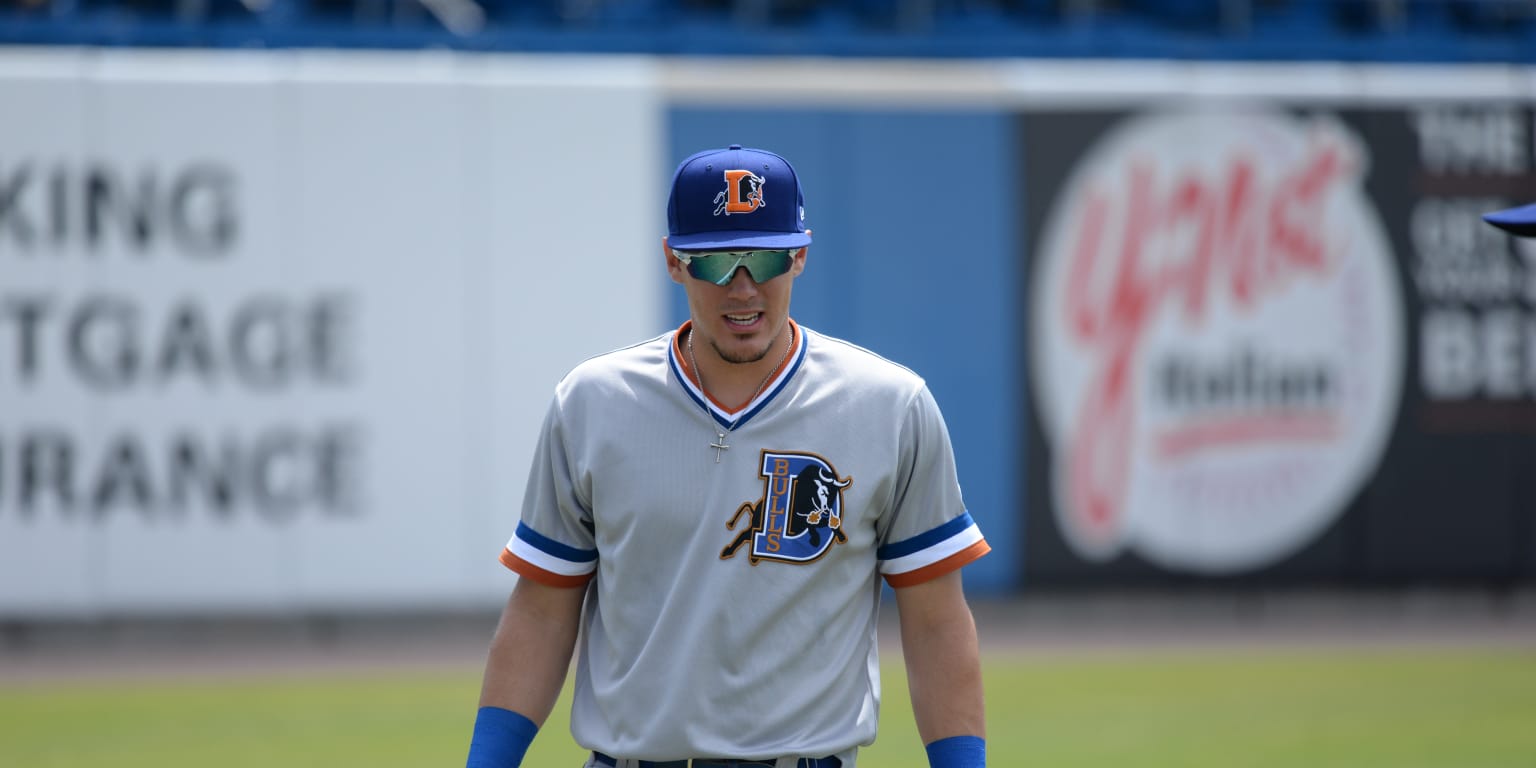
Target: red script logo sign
x=1216, y=338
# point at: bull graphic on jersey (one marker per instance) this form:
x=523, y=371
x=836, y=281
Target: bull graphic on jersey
x=800, y=516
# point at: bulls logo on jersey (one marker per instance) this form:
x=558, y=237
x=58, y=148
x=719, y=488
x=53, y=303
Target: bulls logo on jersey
x=743, y=193
x=800, y=516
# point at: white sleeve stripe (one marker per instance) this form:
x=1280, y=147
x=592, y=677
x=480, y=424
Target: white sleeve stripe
x=541, y=559
x=933, y=554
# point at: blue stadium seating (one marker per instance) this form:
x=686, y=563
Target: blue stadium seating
x=1367, y=30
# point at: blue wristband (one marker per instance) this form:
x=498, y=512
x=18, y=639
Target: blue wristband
x=501, y=738
x=958, y=752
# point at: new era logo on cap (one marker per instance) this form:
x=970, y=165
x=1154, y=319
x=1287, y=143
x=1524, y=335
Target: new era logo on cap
x=736, y=198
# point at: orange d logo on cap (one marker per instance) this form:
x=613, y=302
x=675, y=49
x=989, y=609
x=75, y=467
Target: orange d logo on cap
x=743, y=193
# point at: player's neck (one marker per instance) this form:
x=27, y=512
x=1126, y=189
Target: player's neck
x=732, y=384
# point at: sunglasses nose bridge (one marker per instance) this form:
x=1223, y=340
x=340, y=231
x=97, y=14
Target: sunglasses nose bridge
x=748, y=283
x=739, y=264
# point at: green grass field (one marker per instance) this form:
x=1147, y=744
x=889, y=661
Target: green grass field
x=1298, y=709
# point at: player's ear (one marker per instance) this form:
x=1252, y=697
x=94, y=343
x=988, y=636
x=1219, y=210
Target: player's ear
x=675, y=268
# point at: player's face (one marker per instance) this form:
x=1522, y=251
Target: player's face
x=743, y=321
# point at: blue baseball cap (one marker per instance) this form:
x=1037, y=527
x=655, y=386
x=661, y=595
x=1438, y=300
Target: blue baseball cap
x=1517, y=221
x=736, y=198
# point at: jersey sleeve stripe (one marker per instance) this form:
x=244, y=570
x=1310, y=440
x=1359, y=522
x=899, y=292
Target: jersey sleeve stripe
x=935, y=570
x=922, y=541
x=551, y=547
x=545, y=561
x=967, y=537
x=526, y=569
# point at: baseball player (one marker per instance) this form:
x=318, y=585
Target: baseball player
x=711, y=513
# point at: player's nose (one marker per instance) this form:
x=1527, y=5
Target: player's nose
x=741, y=283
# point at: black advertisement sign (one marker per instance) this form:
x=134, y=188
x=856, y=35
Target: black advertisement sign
x=1276, y=344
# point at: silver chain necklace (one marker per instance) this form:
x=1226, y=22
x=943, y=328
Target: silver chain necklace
x=719, y=444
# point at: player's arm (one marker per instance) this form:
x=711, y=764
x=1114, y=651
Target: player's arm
x=938, y=638
x=524, y=671
x=532, y=648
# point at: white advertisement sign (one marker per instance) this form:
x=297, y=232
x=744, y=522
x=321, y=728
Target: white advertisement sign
x=278, y=332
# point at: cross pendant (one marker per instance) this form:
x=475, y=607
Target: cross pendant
x=719, y=445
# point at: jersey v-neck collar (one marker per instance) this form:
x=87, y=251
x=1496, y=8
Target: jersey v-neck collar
x=726, y=418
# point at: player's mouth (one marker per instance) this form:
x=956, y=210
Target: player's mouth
x=744, y=321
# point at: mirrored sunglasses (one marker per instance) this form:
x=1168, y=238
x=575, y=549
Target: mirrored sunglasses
x=719, y=267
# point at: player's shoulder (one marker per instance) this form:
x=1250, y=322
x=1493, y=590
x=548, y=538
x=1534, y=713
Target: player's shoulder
x=612, y=369
x=856, y=363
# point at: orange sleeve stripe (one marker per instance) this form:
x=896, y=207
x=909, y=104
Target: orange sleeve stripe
x=526, y=569
x=935, y=570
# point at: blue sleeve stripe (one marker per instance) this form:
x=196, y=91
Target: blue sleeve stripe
x=554, y=548
x=925, y=540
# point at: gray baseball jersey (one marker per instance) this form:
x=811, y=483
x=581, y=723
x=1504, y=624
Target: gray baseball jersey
x=732, y=590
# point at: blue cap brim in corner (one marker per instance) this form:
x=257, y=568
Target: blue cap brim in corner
x=738, y=240
x=1518, y=221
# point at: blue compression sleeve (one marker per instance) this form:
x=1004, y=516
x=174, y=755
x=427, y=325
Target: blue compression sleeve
x=958, y=752
x=501, y=738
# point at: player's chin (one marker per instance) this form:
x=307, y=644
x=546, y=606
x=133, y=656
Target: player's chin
x=745, y=353
x=745, y=348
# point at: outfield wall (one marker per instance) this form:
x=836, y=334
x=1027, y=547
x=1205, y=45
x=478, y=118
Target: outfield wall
x=279, y=331
x=278, y=328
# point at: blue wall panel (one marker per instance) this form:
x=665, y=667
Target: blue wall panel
x=915, y=257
